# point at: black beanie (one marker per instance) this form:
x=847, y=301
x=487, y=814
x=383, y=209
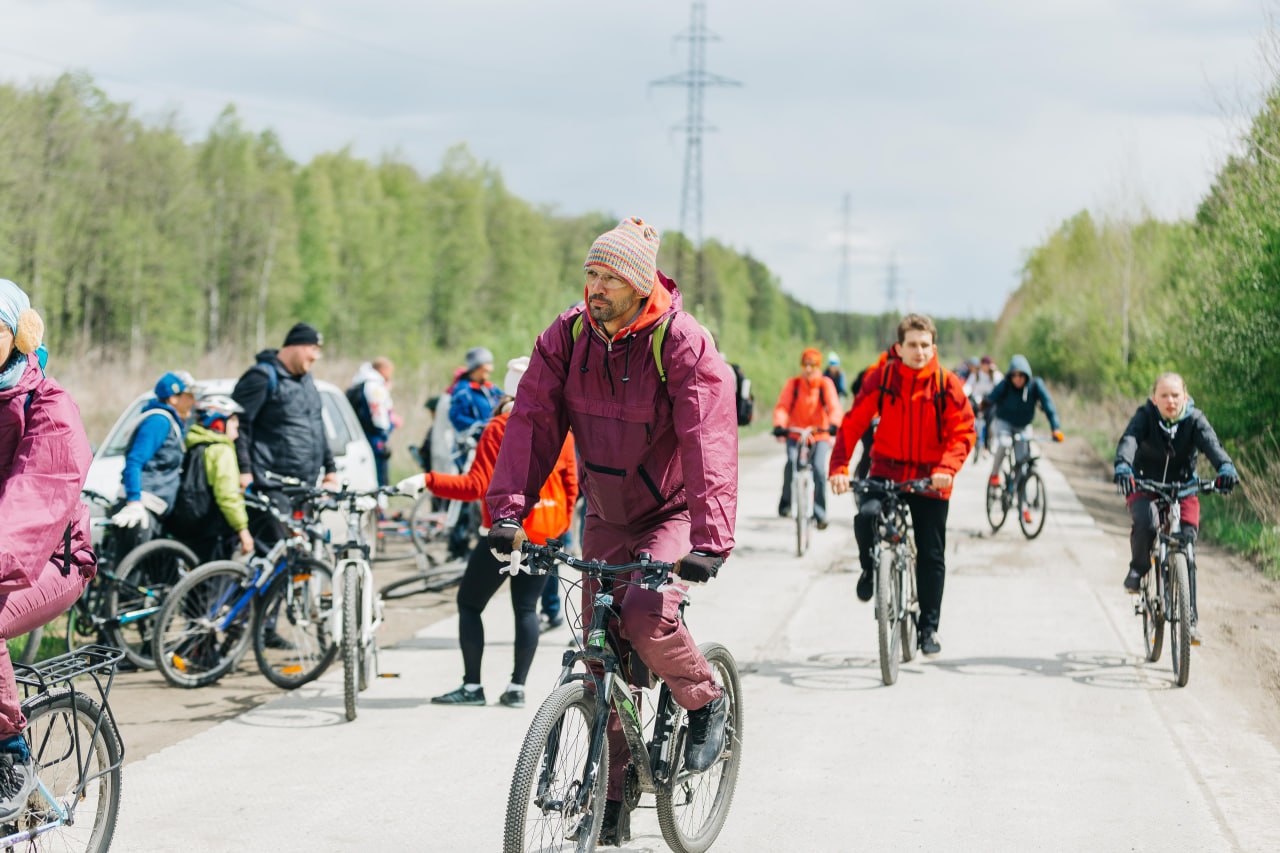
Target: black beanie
x=303, y=333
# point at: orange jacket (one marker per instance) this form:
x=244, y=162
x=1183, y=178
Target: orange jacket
x=926, y=422
x=804, y=403
x=550, y=515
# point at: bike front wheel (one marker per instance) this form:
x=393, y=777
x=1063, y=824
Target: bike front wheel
x=1152, y=617
x=910, y=608
x=66, y=731
x=887, y=597
x=351, y=657
x=1180, y=618
x=291, y=637
x=692, y=807
x=146, y=577
x=547, y=808
x=1033, y=505
x=997, y=506
x=192, y=646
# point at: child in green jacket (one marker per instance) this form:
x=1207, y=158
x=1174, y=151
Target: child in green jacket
x=215, y=428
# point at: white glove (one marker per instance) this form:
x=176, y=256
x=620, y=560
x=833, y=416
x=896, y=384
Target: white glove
x=366, y=504
x=132, y=515
x=412, y=486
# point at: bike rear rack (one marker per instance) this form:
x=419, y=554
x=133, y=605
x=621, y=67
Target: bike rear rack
x=95, y=660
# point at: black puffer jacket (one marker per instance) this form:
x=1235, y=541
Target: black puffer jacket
x=282, y=428
x=1167, y=452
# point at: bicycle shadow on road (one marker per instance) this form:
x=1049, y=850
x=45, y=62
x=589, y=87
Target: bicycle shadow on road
x=1106, y=669
x=319, y=709
x=825, y=671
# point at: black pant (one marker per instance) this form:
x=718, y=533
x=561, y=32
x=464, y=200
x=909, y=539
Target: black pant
x=479, y=583
x=929, y=524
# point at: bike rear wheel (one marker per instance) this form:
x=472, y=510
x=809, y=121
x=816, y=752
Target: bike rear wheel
x=910, y=607
x=291, y=638
x=1152, y=616
x=1180, y=618
x=437, y=579
x=692, y=807
x=1033, y=505
x=190, y=647
x=546, y=807
x=64, y=731
x=351, y=657
x=887, y=597
x=146, y=577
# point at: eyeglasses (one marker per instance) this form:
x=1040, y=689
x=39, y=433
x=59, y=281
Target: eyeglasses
x=809, y=364
x=603, y=279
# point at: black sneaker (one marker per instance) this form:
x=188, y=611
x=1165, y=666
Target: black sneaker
x=1133, y=581
x=461, y=696
x=705, y=739
x=784, y=510
x=17, y=782
x=929, y=644
x=512, y=698
x=272, y=640
x=615, y=826
x=821, y=523
x=866, y=585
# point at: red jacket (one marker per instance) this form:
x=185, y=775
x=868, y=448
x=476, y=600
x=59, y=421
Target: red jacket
x=926, y=422
x=808, y=404
x=555, y=500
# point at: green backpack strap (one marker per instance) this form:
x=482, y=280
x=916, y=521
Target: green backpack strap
x=659, y=336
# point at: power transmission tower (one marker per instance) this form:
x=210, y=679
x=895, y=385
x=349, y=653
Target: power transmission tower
x=843, y=285
x=891, y=286
x=695, y=79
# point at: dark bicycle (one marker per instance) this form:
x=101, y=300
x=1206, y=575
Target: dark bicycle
x=1166, y=594
x=558, y=789
x=1019, y=484
x=894, y=554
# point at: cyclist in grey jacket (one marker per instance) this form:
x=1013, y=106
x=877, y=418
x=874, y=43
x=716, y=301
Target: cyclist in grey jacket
x=1014, y=401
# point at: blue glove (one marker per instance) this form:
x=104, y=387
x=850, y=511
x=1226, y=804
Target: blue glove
x=1227, y=478
x=1125, y=484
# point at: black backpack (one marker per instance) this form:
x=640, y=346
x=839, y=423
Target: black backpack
x=191, y=508
x=355, y=396
x=746, y=400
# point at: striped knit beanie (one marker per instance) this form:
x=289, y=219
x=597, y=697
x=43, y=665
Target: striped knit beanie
x=630, y=252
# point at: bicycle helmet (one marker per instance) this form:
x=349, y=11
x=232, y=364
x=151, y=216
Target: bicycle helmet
x=213, y=412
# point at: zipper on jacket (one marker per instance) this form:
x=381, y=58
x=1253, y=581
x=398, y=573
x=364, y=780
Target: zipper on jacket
x=648, y=434
x=600, y=469
x=652, y=486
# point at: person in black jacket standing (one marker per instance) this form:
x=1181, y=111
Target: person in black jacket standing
x=282, y=428
x=1161, y=443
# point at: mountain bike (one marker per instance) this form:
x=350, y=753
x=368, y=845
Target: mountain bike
x=557, y=792
x=802, y=487
x=894, y=554
x=1019, y=484
x=1166, y=594
x=281, y=602
x=357, y=609
x=77, y=752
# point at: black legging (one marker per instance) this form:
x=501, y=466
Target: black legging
x=479, y=584
x=929, y=524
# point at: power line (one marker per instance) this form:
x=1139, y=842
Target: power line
x=843, y=285
x=324, y=31
x=696, y=78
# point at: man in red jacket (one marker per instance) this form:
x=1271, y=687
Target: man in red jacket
x=655, y=422
x=926, y=430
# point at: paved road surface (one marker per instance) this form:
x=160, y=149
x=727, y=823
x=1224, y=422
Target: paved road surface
x=1037, y=728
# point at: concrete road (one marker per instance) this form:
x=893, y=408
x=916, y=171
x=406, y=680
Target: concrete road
x=1037, y=728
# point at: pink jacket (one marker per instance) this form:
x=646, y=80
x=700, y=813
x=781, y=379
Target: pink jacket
x=44, y=459
x=650, y=452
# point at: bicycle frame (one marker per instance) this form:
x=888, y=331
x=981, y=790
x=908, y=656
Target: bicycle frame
x=353, y=556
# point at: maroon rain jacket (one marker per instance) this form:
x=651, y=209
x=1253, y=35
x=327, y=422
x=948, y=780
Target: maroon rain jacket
x=651, y=452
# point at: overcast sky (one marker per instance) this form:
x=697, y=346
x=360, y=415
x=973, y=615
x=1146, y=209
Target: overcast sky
x=963, y=132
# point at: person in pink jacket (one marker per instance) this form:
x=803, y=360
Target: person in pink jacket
x=660, y=463
x=45, y=553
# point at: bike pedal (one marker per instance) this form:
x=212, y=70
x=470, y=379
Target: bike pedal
x=388, y=675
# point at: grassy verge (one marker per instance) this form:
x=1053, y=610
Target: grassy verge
x=1233, y=522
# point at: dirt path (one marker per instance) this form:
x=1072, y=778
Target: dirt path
x=1239, y=607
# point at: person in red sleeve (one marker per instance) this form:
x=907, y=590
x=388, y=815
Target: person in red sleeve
x=926, y=430
x=549, y=518
x=807, y=401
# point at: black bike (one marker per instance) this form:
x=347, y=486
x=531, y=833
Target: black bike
x=558, y=789
x=1020, y=485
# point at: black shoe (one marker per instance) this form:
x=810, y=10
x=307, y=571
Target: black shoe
x=706, y=734
x=615, y=827
x=866, y=585
x=1133, y=581
x=929, y=644
x=512, y=698
x=784, y=510
x=17, y=782
x=273, y=640
x=822, y=524
x=461, y=696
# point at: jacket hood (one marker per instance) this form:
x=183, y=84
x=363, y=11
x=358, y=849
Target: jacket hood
x=366, y=373
x=153, y=404
x=200, y=435
x=30, y=379
x=665, y=297
x=268, y=356
x=1019, y=364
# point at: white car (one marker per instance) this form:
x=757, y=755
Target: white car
x=351, y=450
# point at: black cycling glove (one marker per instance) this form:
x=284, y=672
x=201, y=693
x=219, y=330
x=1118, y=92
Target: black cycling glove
x=698, y=566
x=505, y=536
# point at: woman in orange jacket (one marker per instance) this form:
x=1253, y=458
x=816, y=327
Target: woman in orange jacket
x=926, y=430
x=807, y=401
x=549, y=519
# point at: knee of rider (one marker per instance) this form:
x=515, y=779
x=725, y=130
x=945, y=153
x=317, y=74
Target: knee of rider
x=1189, y=533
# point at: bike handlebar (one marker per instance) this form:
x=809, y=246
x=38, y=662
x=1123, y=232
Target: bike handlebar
x=1176, y=491
x=655, y=573
x=877, y=484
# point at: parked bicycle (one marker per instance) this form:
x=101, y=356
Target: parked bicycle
x=557, y=793
x=802, y=487
x=1167, y=592
x=281, y=602
x=77, y=752
x=1019, y=485
x=894, y=553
